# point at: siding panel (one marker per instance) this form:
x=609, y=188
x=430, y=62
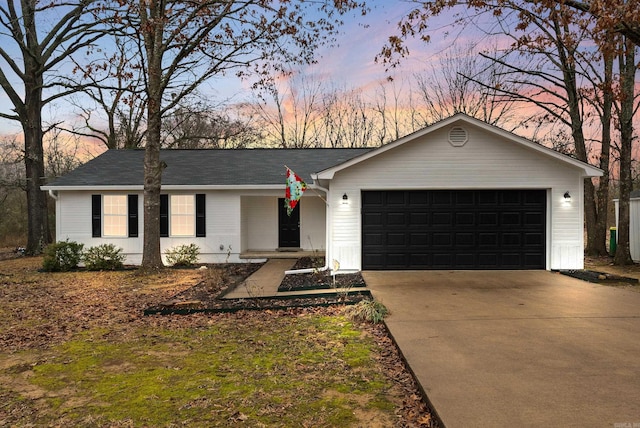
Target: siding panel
x=484, y=162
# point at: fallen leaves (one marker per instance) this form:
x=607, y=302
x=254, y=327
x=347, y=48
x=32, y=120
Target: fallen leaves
x=42, y=310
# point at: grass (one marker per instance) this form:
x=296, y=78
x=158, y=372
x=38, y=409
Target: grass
x=79, y=354
x=275, y=375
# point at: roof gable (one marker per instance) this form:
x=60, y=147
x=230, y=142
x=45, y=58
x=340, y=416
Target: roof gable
x=463, y=119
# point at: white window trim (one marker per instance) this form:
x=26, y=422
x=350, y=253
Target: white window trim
x=124, y=216
x=191, y=215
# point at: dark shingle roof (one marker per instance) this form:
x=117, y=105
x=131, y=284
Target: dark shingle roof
x=206, y=167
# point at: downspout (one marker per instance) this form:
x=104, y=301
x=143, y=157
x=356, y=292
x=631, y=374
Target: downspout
x=53, y=194
x=326, y=246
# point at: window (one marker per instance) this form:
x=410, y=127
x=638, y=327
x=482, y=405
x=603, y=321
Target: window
x=182, y=215
x=114, y=215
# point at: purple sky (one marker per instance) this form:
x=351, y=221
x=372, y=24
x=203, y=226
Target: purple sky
x=348, y=65
x=351, y=64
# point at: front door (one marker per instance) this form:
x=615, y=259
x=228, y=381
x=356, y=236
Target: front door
x=289, y=226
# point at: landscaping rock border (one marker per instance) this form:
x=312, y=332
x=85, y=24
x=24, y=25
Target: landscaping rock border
x=597, y=277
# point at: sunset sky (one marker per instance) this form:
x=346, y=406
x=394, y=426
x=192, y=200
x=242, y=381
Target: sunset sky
x=351, y=64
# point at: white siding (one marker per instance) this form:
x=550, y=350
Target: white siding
x=261, y=227
x=484, y=162
x=313, y=216
x=634, y=227
x=260, y=220
x=222, y=242
x=234, y=223
x=73, y=222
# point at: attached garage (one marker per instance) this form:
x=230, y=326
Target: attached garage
x=459, y=194
x=454, y=229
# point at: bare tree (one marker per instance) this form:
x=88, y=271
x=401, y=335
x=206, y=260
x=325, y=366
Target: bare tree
x=290, y=108
x=195, y=125
x=628, y=67
x=13, y=226
x=38, y=37
x=389, y=109
x=347, y=120
x=465, y=82
x=184, y=43
x=112, y=102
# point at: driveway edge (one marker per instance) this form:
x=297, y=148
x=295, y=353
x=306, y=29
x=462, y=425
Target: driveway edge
x=437, y=420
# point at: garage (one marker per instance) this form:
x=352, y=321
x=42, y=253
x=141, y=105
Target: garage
x=458, y=194
x=454, y=229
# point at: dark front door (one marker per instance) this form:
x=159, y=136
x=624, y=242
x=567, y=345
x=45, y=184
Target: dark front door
x=289, y=226
x=454, y=229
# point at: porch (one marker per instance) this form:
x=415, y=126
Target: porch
x=288, y=254
x=265, y=227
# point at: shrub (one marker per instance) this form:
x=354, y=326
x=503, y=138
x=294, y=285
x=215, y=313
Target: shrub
x=183, y=255
x=62, y=256
x=367, y=310
x=104, y=257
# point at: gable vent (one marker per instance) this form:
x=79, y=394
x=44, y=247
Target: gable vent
x=458, y=136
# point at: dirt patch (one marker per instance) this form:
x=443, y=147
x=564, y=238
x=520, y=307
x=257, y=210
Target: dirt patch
x=619, y=276
x=8, y=253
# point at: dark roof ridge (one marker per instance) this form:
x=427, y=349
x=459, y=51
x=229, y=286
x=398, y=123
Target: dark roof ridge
x=263, y=148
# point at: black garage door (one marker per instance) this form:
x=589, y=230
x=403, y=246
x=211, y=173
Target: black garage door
x=454, y=229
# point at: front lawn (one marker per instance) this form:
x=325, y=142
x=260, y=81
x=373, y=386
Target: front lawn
x=77, y=351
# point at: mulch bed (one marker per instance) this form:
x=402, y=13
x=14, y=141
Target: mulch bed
x=206, y=296
x=318, y=280
x=597, y=277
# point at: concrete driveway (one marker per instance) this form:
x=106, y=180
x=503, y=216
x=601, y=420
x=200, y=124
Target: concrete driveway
x=517, y=349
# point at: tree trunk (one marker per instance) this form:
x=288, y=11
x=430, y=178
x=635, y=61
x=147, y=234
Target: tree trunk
x=577, y=133
x=627, y=83
x=590, y=217
x=566, y=57
x=151, y=255
x=599, y=245
x=152, y=33
x=39, y=235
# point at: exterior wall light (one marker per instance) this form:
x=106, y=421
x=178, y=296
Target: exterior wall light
x=567, y=196
x=345, y=199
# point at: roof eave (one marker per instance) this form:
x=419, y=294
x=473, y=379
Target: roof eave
x=172, y=187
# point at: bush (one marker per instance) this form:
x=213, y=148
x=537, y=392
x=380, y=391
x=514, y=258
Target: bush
x=62, y=256
x=183, y=255
x=104, y=257
x=367, y=310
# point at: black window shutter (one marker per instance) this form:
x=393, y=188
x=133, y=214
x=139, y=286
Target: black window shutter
x=132, y=207
x=96, y=216
x=201, y=217
x=164, y=215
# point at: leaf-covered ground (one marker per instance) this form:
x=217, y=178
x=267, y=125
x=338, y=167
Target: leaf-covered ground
x=78, y=351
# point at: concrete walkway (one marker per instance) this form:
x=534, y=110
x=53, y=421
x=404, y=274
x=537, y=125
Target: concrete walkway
x=517, y=349
x=263, y=282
